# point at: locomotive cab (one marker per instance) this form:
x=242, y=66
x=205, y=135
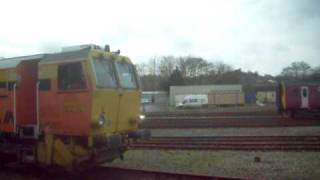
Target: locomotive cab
x=72, y=108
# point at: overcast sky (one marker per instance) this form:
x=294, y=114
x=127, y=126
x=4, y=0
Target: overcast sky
x=263, y=35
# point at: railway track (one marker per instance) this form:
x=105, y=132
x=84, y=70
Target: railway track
x=208, y=113
x=193, y=117
x=138, y=174
x=204, y=121
x=256, y=143
x=101, y=173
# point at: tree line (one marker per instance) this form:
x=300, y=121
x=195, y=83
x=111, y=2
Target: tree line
x=159, y=73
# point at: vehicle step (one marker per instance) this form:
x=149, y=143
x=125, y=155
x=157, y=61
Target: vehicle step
x=28, y=155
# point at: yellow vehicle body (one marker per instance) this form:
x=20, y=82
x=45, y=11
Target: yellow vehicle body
x=87, y=108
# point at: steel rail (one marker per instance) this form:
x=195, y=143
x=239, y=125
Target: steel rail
x=195, y=122
x=194, y=113
x=128, y=173
x=287, y=143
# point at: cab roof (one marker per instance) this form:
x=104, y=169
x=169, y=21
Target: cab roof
x=7, y=63
x=67, y=56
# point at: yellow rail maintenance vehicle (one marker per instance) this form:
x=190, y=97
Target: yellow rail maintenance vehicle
x=70, y=109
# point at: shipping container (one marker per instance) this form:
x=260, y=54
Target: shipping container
x=266, y=97
x=225, y=98
x=250, y=98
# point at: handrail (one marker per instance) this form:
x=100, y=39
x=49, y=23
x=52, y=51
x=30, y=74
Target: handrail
x=120, y=91
x=37, y=101
x=14, y=108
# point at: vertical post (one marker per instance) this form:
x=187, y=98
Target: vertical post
x=37, y=101
x=154, y=74
x=14, y=108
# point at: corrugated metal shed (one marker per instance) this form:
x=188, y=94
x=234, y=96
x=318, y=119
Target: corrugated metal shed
x=201, y=89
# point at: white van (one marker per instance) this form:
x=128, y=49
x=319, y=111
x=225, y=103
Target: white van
x=193, y=101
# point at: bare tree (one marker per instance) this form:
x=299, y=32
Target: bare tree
x=141, y=69
x=220, y=68
x=152, y=66
x=297, y=70
x=193, y=66
x=316, y=70
x=182, y=65
x=315, y=76
x=166, y=65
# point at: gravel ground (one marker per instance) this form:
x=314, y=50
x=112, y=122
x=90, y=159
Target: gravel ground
x=273, y=165
x=14, y=176
x=274, y=131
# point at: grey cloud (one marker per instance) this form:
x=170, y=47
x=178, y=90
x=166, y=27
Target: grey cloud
x=262, y=33
x=49, y=47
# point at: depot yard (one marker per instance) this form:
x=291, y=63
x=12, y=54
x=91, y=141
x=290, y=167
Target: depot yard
x=247, y=164
x=241, y=164
x=273, y=165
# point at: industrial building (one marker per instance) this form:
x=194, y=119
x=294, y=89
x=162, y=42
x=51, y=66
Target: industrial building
x=177, y=93
x=156, y=97
x=153, y=101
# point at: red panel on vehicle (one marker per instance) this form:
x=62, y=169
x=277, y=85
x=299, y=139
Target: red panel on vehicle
x=314, y=97
x=293, y=99
x=293, y=96
x=26, y=92
x=65, y=113
x=6, y=114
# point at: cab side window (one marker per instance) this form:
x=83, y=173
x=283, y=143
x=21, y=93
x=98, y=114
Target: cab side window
x=11, y=85
x=45, y=84
x=3, y=85
x=3, y=88
x=126, y=75
x=105, y=73
x=71, y=76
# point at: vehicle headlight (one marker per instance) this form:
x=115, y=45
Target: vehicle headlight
x=101, y=120
x=142, y=117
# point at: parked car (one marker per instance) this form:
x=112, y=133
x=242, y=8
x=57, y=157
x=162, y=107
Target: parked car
x=193, y=101
x=145, y=100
